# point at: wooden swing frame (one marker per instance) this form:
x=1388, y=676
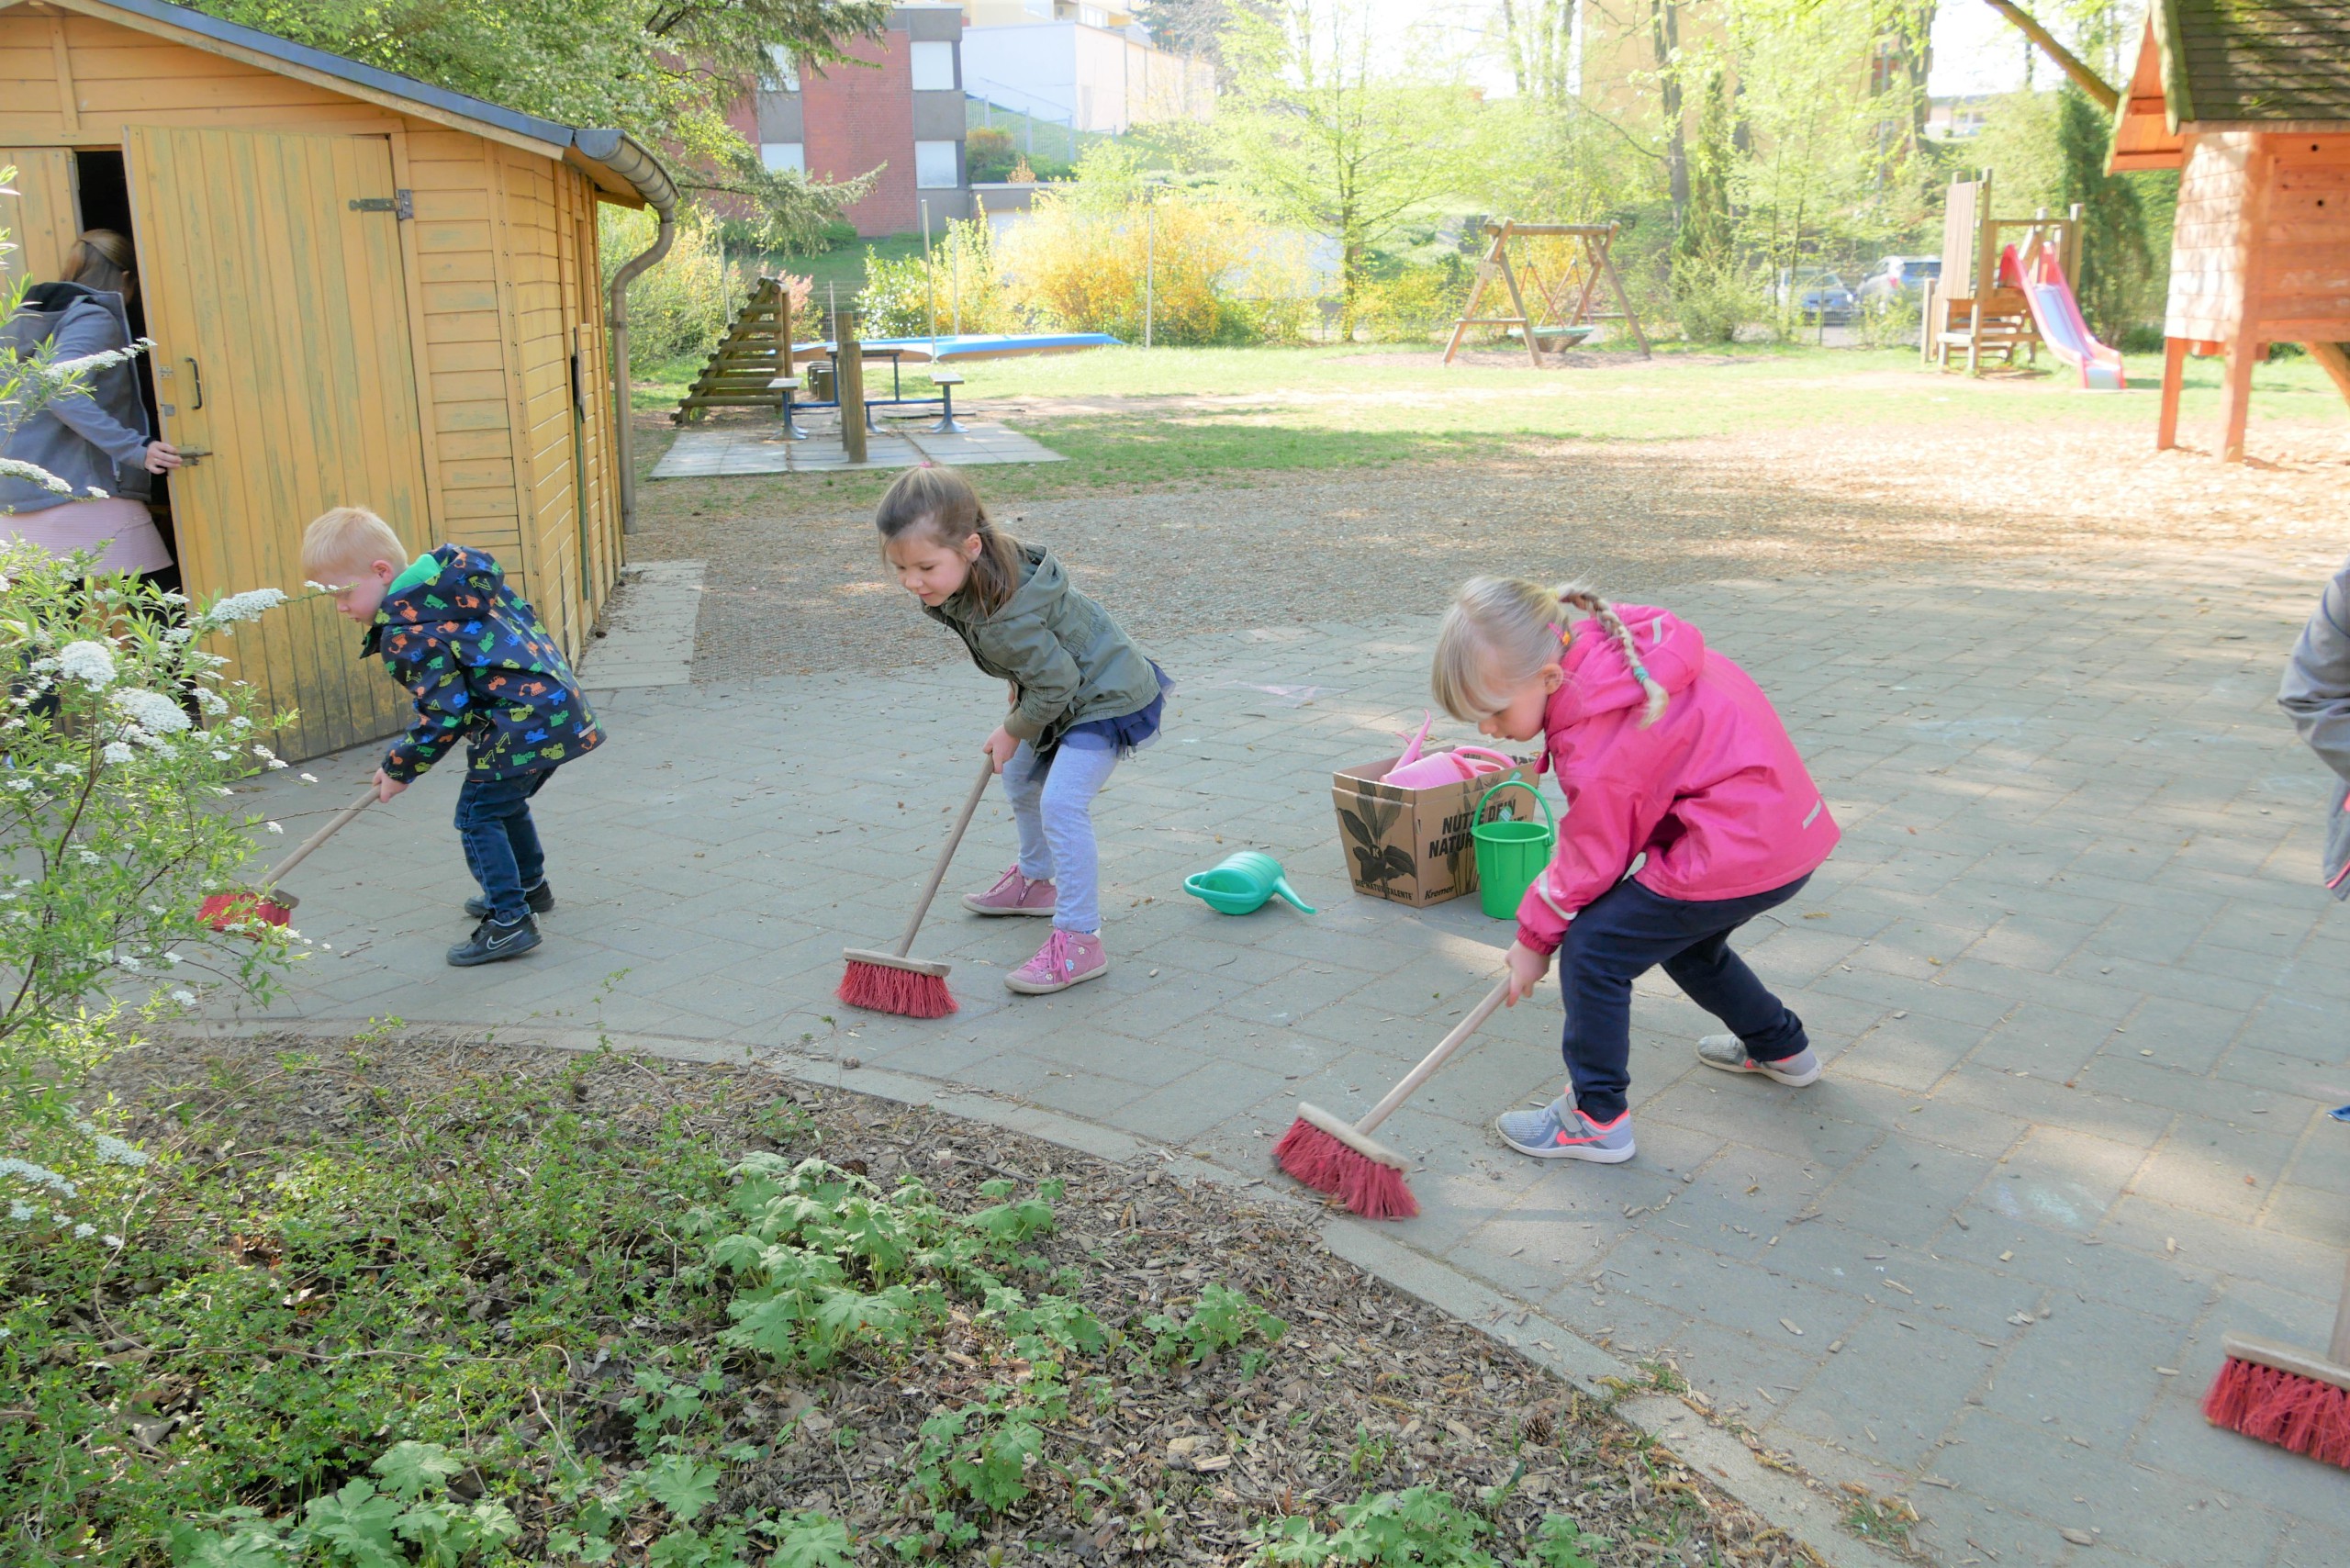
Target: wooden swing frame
x=1582, y=277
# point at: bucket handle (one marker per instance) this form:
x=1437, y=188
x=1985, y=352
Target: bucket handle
x=1479, y=814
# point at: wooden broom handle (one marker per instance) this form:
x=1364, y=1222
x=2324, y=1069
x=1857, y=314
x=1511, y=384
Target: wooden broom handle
x=2339, y=1352
x=1435, y=1058
x=335, y=824
x=947, y=858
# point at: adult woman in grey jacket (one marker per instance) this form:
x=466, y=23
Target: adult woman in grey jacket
x=2316, y=692
x=96, y=438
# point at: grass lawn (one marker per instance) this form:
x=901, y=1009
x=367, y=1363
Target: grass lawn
x=843, y=271
x=1133, y=420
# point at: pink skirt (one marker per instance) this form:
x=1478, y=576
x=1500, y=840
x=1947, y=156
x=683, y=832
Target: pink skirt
x=124, y=526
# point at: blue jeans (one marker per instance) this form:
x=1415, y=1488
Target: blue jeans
x=501, y=842
x=1627, y=931
x=1056, y=817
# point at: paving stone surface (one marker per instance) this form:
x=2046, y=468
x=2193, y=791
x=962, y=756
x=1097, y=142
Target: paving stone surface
x=738, y=449
x=2081, y=1002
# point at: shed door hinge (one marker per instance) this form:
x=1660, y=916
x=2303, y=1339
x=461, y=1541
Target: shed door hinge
x=402, y=205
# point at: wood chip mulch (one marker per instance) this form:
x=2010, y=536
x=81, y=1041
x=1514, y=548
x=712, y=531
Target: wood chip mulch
x=1368, y=1390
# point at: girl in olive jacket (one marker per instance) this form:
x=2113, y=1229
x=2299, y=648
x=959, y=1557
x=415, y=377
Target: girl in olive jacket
x=1082, y=696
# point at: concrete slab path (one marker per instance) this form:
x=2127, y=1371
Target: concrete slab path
x=2082, y=999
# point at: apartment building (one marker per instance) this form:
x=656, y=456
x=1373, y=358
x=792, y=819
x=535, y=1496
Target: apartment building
x=896, y=105
x=1086, y=66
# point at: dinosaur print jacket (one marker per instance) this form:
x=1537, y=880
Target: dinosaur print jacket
x=480, y=664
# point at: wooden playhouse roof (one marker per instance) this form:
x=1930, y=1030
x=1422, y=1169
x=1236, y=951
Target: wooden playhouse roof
x=621, y=168
x=2281, y=65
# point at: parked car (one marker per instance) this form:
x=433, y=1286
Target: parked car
x=1815, y=295
x=1900, y=277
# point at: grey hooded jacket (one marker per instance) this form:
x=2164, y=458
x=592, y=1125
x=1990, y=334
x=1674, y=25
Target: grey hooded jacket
x=2316, y=692
x=96, y=438
x=1070, y=661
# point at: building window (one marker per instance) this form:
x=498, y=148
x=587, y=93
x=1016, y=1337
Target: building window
x=791, y=156
x=939, y=165
x=934, y=67
x=783, y=74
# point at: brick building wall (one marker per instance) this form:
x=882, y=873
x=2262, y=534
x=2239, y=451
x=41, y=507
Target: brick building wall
x=855, y=117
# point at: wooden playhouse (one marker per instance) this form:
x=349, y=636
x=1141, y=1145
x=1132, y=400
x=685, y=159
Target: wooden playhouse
x=2250, y=101
x=362, y=290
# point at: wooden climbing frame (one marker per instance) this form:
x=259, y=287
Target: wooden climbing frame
x=756, y=350
x=1554, y=317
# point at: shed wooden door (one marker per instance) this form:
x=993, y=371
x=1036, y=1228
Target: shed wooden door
x=37, y=210
x=280, y=317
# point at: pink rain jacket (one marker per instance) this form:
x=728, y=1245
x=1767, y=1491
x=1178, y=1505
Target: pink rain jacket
x=1713, y=791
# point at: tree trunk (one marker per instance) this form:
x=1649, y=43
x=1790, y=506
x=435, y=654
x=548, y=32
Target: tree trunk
x=1665, y=36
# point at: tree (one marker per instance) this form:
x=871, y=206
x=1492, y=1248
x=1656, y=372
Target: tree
x=2115, y=256
x=1539, y=37
x=1322, y=140
x=665, y=70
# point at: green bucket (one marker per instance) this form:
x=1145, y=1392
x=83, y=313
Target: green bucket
x=1510, y=854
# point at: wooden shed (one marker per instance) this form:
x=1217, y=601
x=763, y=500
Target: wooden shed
x=2250, y=101
x=362, y=290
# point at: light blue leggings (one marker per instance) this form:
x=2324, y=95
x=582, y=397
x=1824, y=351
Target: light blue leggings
x=1056, y=818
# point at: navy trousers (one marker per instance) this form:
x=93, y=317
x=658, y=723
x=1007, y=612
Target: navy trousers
x=1627, y=931
x=501, y=841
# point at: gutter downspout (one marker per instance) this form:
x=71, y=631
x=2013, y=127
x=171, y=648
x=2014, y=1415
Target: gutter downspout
x=620, y=154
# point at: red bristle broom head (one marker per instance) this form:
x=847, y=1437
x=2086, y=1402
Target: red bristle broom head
x=2297, y=1414
x=1326, y=1155
x=877, y=985
x=226, y=911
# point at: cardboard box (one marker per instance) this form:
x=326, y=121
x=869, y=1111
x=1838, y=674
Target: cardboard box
x=1413, y=845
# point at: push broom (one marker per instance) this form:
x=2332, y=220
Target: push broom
x=262, y=904
x=2284, y=1395
x=1330, y=1155
x=892, y=982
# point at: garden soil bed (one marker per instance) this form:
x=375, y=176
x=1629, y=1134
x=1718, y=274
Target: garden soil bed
x=1366, y=1391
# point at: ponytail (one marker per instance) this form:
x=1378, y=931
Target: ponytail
x=1504, y=628
x=941, y=504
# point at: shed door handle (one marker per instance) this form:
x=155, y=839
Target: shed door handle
x=198, y=377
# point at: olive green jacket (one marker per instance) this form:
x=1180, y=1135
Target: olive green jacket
x=1070, y=661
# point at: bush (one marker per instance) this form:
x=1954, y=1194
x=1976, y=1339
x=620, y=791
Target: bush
x=1411, y=305
x=678, y=308
x=1217, y=274
x=1713, y=299
x=989, y=154
x=962, y=280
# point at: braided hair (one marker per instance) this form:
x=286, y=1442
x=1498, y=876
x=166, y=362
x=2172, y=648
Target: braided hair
x=1500, y=631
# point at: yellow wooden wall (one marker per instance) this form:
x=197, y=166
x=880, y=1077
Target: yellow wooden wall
x=502, y=278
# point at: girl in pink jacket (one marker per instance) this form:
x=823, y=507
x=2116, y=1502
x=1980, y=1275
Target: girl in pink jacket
x=1688, y=814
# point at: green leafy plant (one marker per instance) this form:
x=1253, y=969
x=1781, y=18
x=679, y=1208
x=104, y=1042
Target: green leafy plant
x=1422, y=1526
x=407, y=1520
x=1222, y=1318
x=982, y=1451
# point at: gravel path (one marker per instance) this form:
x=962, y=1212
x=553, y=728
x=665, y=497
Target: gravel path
x=794, y=585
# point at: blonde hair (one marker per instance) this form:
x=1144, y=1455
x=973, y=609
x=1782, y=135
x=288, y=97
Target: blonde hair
x=941, y=503
x=1499, y=633
x=347, y=537
x=102, y=259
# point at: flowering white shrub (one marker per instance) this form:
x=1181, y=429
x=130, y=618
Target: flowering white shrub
x=116, y=738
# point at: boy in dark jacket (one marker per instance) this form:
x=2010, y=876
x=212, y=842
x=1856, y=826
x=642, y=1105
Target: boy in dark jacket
x=480, y=664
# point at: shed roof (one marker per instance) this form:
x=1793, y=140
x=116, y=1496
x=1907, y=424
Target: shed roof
x=2256, y=61
x=612, y=158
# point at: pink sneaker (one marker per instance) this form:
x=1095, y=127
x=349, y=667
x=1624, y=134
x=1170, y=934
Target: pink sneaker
x=1013, y=894
x=1066, y=959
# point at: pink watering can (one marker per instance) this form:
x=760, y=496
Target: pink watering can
x=1413, y=770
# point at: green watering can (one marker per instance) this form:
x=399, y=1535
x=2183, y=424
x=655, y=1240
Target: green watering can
x=1242, y=884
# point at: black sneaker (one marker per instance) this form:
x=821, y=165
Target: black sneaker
x=491, y=942
x=540, y=899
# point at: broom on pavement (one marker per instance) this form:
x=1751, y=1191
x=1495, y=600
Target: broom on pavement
x=891, y=982
x=1346, y=1161
x=262, y=904
x=2285, y=1395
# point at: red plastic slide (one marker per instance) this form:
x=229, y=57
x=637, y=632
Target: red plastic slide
x=2058, y=315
